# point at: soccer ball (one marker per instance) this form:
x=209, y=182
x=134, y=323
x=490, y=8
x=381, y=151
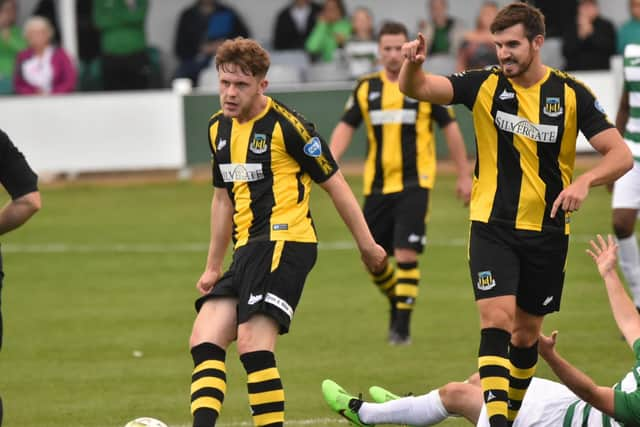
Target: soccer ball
x=145, y=422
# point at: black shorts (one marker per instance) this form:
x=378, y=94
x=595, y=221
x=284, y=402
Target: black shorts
x=398, y=220
x=527, y=264
x=267, y=278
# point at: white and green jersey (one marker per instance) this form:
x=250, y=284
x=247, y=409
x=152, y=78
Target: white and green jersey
x=627, y=403
x=632, y=85
x=551, y=404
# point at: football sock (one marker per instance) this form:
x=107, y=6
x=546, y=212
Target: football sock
x=523, y=366
x=406, y=292
x=266, y=395
x=208, y=383
x=630, y=265
x=424, y=410
x=493, y=366
x=385, y=280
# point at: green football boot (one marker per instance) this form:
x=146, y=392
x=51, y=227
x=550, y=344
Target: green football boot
x=381, y=395
x=343, y=403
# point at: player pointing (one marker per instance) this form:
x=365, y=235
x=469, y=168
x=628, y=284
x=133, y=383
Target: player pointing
x=526, y=117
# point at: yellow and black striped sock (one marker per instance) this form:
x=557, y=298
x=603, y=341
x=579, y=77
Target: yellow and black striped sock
x=385, y=280
x=266, y=395
x=407, y=278
x=523, y=366
x=406, y=292
x=493, y=366
x=208, y=383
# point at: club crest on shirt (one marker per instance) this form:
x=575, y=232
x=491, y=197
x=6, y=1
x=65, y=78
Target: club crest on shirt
x=258, y=143
x=552, y=107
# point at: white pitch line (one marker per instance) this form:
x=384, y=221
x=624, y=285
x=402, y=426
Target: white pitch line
x=200, y=247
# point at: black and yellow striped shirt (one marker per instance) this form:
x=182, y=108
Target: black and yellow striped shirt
x=525, y=143
x=401, y=145
x=266, y=165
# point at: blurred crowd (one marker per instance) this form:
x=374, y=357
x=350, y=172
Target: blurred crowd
x=311, y=41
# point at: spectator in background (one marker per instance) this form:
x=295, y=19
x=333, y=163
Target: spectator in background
x=294, y=24
x=125, y=62
x=11, y=43
x=331, y=32
x=590, y=40
x=47, y=9
x=443, y=32
x=361, y=50
x=557, y=14
x=629, y=32
x=201, y=29
x=477, y=49
x=90, y=75
x=43, y=68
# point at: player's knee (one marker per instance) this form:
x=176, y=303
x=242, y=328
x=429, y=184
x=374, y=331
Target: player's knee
x=622, y=229
x=454, y=392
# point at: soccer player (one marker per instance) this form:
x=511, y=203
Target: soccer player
x=626, y=191
x=399, y=171
x=526, y=118
x=265, y=157
x=19, y=180
x=579, y=401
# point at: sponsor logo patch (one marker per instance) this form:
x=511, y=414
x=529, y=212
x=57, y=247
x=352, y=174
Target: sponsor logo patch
x=254, y=299
x=221, y=144
x=313, y=148
x=241, y=172
x=506, y=95
x=520, y=126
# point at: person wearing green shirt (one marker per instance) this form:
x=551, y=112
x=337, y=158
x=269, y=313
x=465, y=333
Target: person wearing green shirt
x=331, y=31
x=125, y=62
x=11, y=42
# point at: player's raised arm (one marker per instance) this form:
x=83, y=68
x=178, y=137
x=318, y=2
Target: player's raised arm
x=604, y=254
x=415, y=83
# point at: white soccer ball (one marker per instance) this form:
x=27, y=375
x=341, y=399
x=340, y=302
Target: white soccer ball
x=145, y=422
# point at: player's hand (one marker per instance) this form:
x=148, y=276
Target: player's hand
x=570, y=199
x=207, y=281
x=463, y=189
x=604, y=254
x=415, y=51
x=547, y=345
x=375, y=257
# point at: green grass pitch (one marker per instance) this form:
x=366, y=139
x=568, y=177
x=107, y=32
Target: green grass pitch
x=98, y=306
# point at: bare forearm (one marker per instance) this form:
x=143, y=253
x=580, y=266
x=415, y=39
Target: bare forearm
x=349, y=210
x=581, y=384
x=412, y=79
x=623, y=309
x=614, y=163
x=18, y=211
x=221, y=226
x=571, y=376
x=457, y=151
x=340, y=140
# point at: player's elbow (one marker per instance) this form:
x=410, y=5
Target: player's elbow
x=33, y=202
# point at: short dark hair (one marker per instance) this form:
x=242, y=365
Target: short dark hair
x=520, y=13
x=247, y=54
x=392, y=27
